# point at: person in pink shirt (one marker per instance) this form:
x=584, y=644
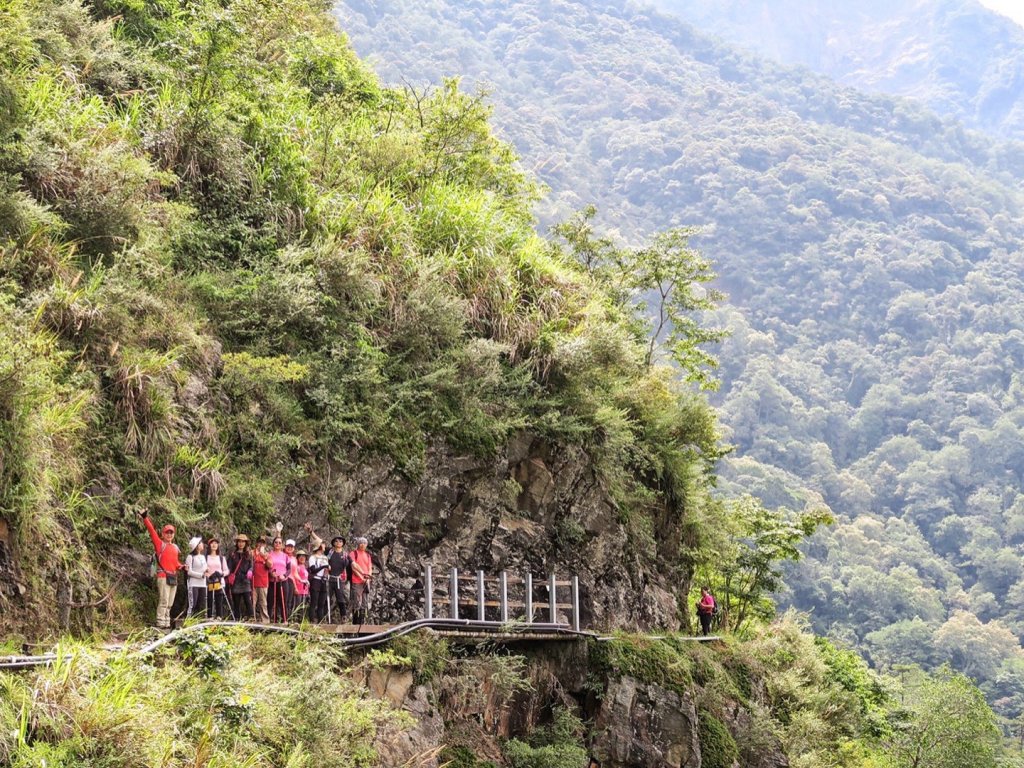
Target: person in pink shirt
x=280, y=569
x=300, y=580
x=290, y=598
x=705, y=610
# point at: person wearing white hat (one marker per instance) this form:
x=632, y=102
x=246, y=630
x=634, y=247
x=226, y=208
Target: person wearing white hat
x=195, y=565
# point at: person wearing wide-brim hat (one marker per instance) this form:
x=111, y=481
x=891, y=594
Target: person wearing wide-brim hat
x=195, y=565
x=239, y=578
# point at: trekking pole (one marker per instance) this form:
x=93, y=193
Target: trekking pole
x=328, y=599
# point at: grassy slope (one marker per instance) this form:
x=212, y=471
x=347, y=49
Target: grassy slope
x=230, y=256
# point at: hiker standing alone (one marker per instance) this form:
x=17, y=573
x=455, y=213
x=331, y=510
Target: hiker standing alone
x=167, y=567
x=705, y=610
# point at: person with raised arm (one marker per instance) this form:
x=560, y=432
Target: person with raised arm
x=166, y=568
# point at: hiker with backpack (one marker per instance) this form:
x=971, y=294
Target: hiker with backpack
x=706, y=610
x=239, y=579
x=338, y=565
x=165, y=568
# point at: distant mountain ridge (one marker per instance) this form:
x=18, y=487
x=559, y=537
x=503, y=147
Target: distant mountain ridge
x=956, y=56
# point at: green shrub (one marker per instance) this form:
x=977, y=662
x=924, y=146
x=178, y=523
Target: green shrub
x=556, y=745
x=717, y=746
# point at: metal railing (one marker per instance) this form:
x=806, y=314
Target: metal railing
x=496, y=596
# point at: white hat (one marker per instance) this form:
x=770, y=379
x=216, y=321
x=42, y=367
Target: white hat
x=290, y=543
x=194, y=542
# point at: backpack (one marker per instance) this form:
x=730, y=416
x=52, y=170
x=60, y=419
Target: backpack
x=154, y=562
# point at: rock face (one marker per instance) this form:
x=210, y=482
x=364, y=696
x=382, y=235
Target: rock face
x=630, y=723
x=536, y=508
x=642, y=724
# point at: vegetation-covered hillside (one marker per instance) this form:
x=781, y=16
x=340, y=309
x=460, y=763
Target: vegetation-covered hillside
x=959, y=58
x=230, y=262
x=871, y=254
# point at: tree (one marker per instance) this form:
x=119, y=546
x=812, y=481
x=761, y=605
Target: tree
x=946, y=724
x=744, y=551
x=662, y=282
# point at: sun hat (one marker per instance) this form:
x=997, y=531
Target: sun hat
x=169, y=527
x=242, y=537
x=194, y=542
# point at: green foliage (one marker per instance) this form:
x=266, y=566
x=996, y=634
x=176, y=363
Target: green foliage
x=230, y=258
x=557, y=745
x=461, y=757
x=652, y=661
x=869, y=248
x=428, y=656
x=717, y=746
x=947, y=723
x=744, y=551
x=269, y=702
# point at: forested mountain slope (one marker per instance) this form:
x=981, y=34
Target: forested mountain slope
x=956, y=56
x=872, y=254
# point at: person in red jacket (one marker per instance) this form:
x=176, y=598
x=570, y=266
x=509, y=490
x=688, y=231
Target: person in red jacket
x=362, y=572
x=167, y=567
x=260, y=581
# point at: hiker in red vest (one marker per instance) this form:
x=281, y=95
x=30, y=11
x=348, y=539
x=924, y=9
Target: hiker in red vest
x=167, y=567
x=705, y=610
x=362, y=572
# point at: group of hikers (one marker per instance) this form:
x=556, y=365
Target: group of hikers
x=266, y=583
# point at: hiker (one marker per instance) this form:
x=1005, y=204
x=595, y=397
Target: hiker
x=195, y=565
x=239, y=579
x=278, y=563
x=289, y=586
x=300, y=580
x=261, y=581
x=317, y=568
x=705, y=610
x=216, y=571
x=166, y=568
x=338, y=563
x=362, y=572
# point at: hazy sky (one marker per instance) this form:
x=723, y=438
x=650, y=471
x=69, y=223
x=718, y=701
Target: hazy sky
x=1012, y=8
